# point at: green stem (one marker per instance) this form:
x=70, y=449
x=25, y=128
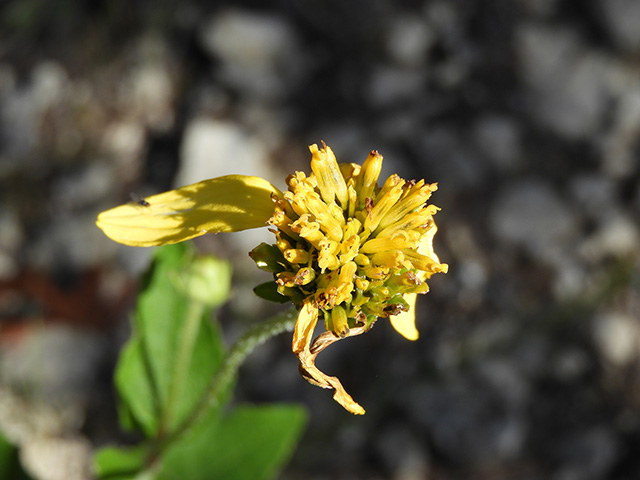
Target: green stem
x=255, y=336
x=182, y=362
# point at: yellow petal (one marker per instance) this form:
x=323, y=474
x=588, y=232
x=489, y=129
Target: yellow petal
x=405, y=322
x=305, y=325
x=224, y=204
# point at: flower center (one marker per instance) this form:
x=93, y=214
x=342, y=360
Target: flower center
x=351, y=246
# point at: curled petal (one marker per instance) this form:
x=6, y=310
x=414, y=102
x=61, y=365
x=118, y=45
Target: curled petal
x=307, y=352
x=224, y=204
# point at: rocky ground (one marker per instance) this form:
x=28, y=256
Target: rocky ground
x=527, y=114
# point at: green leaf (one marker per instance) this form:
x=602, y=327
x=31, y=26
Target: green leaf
x=174, y=352
x=251, y=443
x=137, y=409
x=114, y=463
x=10, y=467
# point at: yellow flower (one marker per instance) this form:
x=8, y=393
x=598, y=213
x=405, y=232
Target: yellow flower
x=347, y=250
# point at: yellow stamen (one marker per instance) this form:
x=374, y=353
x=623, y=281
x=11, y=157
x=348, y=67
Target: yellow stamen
x=367, y=180
x=282, y=222
x=308, y=230
x=416, y=197
x=327, y=256
x=383, y=244
x=303, y=276
x=330, y=180
x=393, y=191
x=362, y=283
x=339, y=323
x=296, y=255
x=392, y=259
x=425, y=263
x=418, y=219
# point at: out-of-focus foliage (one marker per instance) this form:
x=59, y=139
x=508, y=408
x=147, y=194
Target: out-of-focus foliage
x=164, y=378
x=10, y=467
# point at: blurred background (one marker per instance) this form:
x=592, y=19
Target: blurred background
x=527, y=114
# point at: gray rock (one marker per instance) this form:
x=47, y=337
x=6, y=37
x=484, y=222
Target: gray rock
x=619, y=145
x=587, y=455
x=22, y=108
x=72, y=241
x=390, y=85
x=498, y=138
x=259, y=53
x=450, y=159
x=621, y=18
x=594, y=195
x=56, y=364
x=568, y=88
x=81, y=188
x=404, y=455
x=468, y=422
x=531, y=215
x=11, y=239
x=408, y=40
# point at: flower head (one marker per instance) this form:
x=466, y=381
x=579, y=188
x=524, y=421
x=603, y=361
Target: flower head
x=347, y=250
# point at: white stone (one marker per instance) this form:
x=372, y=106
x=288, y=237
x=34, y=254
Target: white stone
x=617, y=337
x=619, y=236
x=57, y=458
x=212, y=148
x=153, y=92
x=124, y=139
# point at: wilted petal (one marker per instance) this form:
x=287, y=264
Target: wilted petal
x=307, y=352
x=224, y=204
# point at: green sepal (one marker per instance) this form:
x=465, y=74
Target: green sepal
x=269, y=291
x=268, y=258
